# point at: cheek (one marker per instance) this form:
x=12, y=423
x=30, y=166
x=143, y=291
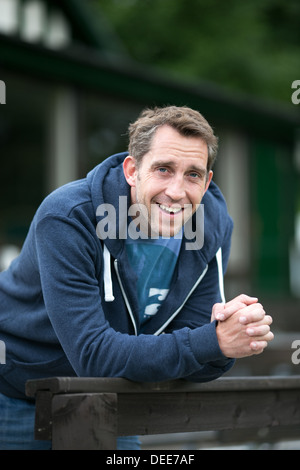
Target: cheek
x=196, y=195
x=151, y=186
x=144, y=179
x=145, y=190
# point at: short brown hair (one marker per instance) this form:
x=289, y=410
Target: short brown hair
x=186, y=121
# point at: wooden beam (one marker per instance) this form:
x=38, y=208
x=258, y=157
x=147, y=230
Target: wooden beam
x=90, y=412
x=84, y=421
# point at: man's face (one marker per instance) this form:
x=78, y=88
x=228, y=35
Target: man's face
x=170, y=182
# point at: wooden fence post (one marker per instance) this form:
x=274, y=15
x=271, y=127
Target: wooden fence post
x=84, y=421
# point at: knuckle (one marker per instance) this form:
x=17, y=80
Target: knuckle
x=260, y=310
x=270, y=336
x=242, y=298
x=217, y=306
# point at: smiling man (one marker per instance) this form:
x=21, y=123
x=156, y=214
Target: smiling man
x=171, y=180
x=76, y=303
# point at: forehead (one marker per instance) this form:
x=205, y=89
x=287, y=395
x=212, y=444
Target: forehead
x=168, y=142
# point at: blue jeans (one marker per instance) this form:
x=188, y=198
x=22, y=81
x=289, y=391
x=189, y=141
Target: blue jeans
x=17, y=428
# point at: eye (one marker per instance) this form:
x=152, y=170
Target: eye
x=162, y=170
x=196, y=176
x=193, y=175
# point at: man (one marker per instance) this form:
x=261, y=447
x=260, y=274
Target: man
x=108, y=266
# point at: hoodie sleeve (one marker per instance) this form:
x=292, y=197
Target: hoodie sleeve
x=197, y=314
x=68, y=258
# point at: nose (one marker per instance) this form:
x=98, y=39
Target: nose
x=176, y=188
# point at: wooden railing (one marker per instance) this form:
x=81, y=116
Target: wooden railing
x=89, y=413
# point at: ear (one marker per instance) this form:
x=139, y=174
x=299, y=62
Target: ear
x=130, y=171
x=210, y=175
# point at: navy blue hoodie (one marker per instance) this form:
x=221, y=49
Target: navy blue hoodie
x=56, y=318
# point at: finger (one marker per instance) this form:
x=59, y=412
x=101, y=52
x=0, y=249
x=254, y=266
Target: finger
x=252, y=313
x=229, y=309
x=259, y=341
x=217, y=312
x=242, y=299
x=269, y=336
x=224, y=311
x=266, y=320
x=258, y=331
x=258, y=346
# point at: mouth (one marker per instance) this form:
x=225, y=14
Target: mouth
x=170, y=210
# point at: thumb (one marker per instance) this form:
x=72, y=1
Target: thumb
x=217, y=312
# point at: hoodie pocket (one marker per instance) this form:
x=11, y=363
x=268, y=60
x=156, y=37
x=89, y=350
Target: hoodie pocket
x=17, y=372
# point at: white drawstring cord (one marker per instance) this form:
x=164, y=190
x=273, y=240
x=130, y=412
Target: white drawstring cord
x=220, y=272
x=108, y=288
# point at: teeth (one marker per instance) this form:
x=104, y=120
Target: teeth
x=173, y=210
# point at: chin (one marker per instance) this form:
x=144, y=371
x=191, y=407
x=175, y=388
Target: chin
x=167, y=232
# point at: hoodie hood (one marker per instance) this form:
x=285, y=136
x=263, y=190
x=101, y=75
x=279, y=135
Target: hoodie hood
x=103, y=181
x=107, y=176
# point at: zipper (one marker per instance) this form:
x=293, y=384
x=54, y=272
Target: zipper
x=125, y=296
x=160, y=330
x=179, y=308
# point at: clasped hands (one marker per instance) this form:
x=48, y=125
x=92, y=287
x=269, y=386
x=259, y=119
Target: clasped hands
x=243, y=328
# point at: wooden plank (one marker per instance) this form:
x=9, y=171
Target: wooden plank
x=117, y=385
x=92, y=421
x=258, y=435
x=186, y=412
x=84, y=421
x=43, y=416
